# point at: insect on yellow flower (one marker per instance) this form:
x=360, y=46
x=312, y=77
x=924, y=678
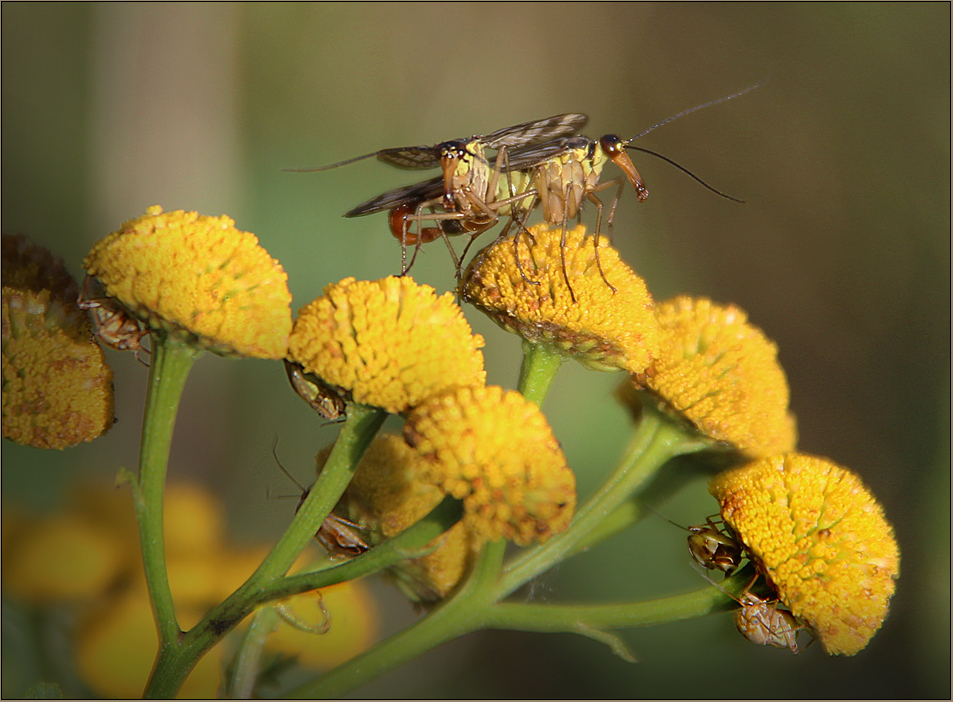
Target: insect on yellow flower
x=819, y=538
x=197, y=278
x=388, y=343
x=602, y=328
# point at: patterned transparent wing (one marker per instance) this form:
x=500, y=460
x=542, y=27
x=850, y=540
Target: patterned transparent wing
x=521, y=158
x=419, y=192
x=412, y=158
x=537, y=131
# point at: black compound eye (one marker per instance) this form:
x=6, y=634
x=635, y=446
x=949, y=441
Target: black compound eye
x=612, y=144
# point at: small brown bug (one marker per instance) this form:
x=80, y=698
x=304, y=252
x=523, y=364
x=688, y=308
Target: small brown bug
x=315, y=392
x=762, y=621
x=711, y=547
x=714, y=548
x=338, y=536
x=114, y=325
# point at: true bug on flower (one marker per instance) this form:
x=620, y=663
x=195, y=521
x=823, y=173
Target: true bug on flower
x=315, y=392
x=712, y=547
x=114, y=326
x=762, y=621
x=468, y=188
x=338, y=536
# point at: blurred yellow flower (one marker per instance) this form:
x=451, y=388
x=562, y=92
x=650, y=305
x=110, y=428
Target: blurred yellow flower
x=62, y=557
x=721, y=374
x=494, y=450
x=601, y=327
x=353, y=625
x=116, y=648
x=820, y=539
x=390, y=343
x=386, y=497
x=199, y=278
x=57, y=388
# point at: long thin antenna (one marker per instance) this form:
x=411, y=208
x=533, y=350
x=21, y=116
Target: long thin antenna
x=683, y=170
x=274, y=452
x=700, y=107
x=315, y=169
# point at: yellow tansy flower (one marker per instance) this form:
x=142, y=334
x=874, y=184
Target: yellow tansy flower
x=390, y=343
x=388, y=495
x=57, y=388
x=722, y=374
x=602, y=328
x=821, y=540
x=494, y=450
x=199, y=278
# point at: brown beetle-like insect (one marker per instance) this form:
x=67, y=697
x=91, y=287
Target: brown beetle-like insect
x=114, y=326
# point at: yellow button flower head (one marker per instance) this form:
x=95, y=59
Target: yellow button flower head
x=390, y=343
x=386, y=496
x=820, y=538
x=57, y=388
x=199, y=278
x=722, y=374
x=494, y=450
x=601, y=328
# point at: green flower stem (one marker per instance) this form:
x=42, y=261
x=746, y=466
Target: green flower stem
x=577, y=618
x=174, y=662
x=171, y=362
x=357, y=432
x=460, y=615
x=657, y=439
x=247, y=665
x=539, y=368
x=669, y=480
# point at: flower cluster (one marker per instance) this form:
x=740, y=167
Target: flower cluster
x=820, y=539
x=394, y=344
x=810, y=527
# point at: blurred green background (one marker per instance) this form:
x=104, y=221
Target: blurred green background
x=841, y=254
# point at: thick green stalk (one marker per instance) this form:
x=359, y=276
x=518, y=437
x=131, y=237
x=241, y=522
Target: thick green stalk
x=539, y=368
x=577, y=618
x=455, y=617
x=247, y=665
x=171, y=362
x=657, y=439
x=175, y=662
x=357, y=432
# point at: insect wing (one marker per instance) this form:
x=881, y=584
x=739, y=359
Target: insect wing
x=522, y=158
x=536, y=132
x=419, y=192
x=412, y=158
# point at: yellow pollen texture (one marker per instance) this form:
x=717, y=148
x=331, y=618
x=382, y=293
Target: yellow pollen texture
x=57, y=388
x=494, y=450
x=602, y=328
x=722, y=374
x=820, y=538
x=199, y=277
x=388, y=496
x=391, y=343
